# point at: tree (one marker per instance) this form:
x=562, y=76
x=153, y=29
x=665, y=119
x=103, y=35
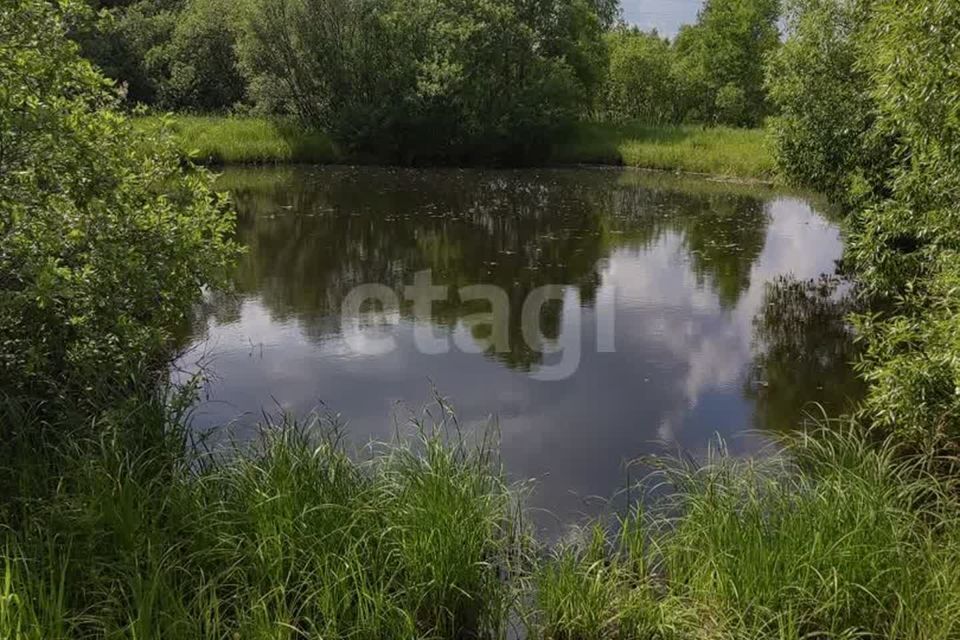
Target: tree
x=906, y=242
x=721, y=58
x=105, y=238
x=427, y=80
x=200, y=70
x=123, y=42
x=821, y=93
x=640, y=82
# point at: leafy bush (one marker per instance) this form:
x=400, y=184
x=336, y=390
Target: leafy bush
x=870, y=101
x=201, y=70
x=720, y=60
x=105, y=240
x=422, y=80
x=640, y=83
x=175, y=54
x=907, y=246
x=821, y=92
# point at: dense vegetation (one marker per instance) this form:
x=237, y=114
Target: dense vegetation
x=870, y=114
x=107, y=239
x=114, y=525
x=436, y=81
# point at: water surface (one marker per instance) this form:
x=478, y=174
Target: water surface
x=708, y=339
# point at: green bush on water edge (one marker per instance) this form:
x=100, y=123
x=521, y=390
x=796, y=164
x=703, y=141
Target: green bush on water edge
x=133, y=532
x=720, y=151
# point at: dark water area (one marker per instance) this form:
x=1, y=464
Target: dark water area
x=674, y=314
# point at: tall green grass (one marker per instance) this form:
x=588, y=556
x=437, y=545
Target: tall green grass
x=246, y=140
x=837, y=538
x=138, y=533
x=289, y=538
x=720, y=151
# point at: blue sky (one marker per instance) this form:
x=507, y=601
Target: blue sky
x=664, y=15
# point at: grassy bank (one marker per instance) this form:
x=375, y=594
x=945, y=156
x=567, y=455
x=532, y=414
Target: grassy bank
x=140, y=535
x=719, y=151
x=233, y=140
x=837, y=539
x=143, y=537
x=736, y=153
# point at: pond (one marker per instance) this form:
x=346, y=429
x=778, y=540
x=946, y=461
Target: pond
x=626, y=313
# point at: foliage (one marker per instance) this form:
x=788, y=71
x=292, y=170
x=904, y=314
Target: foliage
x=711, y=73
x=200, y=67
x=828, y=541
x=825, y=111
x=906, y=246
x=105, y=240
x=871, y=113
x=640, y=83
x=421, y=80
x=121, y=39
x=176, y=54
x=143, y=537
x=720, y=60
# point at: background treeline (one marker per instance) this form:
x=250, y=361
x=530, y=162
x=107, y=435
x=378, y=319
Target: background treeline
x=424, y=80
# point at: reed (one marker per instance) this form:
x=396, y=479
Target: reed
x=718, y=151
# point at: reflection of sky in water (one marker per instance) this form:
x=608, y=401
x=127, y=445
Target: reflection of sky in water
x=676, y=377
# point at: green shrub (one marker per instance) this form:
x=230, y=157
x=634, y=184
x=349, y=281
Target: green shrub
x=175, y=54
x=415, y=81
x=870, y=106
x=906, y=247
x=720, y=61
x=200, y=67
x=822, y=94
x=105, y=240
x=640, y=83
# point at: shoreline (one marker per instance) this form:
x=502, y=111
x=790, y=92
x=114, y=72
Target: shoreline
x=719, y=153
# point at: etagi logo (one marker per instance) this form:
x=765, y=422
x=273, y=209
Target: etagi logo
x=563, y=353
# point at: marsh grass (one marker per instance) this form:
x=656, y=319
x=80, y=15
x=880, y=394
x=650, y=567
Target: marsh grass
x=218, y=140
x=718, y=151
x=836, y=539
x=290, y=538
x=137, y=532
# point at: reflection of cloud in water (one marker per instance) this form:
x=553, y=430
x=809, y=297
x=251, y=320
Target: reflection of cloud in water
x=664, y=305
x=683, y=349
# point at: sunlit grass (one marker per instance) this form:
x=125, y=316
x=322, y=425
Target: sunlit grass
x=294, y=536
x=247, y=140
x=836, y=539
x=720, y=151
x=289, y=538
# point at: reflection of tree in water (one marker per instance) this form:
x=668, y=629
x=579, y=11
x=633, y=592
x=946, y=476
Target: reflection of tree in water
x=805, y=350
x=312, y=236
x=723, y=233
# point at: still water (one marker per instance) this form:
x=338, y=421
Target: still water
x=673, y=320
